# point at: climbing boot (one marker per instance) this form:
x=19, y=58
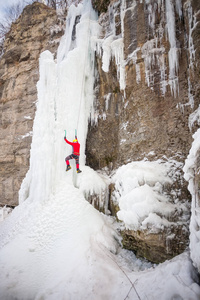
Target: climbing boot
x=68, y=168
x=78, y=171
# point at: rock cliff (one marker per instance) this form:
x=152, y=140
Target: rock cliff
x=37, y=29
x=152, y=111
x=147, y=99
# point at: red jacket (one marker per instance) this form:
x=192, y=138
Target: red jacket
x=75, y=146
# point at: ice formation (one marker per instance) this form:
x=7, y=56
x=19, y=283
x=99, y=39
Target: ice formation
x=192, y=170
x=173, y=52
x=153, y=51
x=61, y=105
x=112, y=46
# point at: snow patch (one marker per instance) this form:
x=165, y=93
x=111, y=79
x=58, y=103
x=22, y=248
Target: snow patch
x=4, y=212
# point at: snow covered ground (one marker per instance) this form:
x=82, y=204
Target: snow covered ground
x=55, y=245
x=65, y=249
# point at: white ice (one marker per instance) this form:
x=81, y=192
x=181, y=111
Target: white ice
x=192, y=171
x=112, y=46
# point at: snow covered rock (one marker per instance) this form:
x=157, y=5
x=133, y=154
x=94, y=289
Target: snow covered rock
x=154, y=221
x=95, y=187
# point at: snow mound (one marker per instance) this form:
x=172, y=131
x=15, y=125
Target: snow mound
x=52, y=244
x=139, y=192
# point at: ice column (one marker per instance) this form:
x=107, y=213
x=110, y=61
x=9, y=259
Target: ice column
x=39, y=181
x=65, y=102
x=113, y=46
x=173, y=52
x=192, y=170
x=75, y=73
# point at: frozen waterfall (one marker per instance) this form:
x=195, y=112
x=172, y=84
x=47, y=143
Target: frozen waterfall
x=65, y=102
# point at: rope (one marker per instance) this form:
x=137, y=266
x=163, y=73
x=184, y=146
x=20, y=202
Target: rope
x=132, y=284
x=83, y=81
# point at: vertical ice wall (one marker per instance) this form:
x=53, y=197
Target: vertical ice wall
x=173, y=52
x=192, y=170
x=65, y=102
x=39, y=180
x=75, y=75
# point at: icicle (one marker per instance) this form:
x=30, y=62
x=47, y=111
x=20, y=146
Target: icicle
x=173, y=52
x=192, y=25
x=190, y=96
x=117, y=47
x=153, y=52
x=153, y=56
x=151, y=15
x=107, y=100
x=179, y=8
x=106, y=46
x=133, y=57
x=163, y=81
x=122, y=15
x=113, y=46
x=194, y=117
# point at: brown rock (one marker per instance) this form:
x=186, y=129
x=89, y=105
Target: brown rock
x=156, y=247
x=100, y=5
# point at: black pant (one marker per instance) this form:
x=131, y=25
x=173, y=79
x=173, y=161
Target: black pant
x=73, y=156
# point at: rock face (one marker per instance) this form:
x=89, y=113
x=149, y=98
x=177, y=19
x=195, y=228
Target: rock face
x=154, y=105
x=100, y=6
x=37, y=29
x=156, y=247
x=150, y=115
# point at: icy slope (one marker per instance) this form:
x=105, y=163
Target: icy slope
x=44, y=246
x=66, y=250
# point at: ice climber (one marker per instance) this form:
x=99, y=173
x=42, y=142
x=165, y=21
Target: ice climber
x=75, y=155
